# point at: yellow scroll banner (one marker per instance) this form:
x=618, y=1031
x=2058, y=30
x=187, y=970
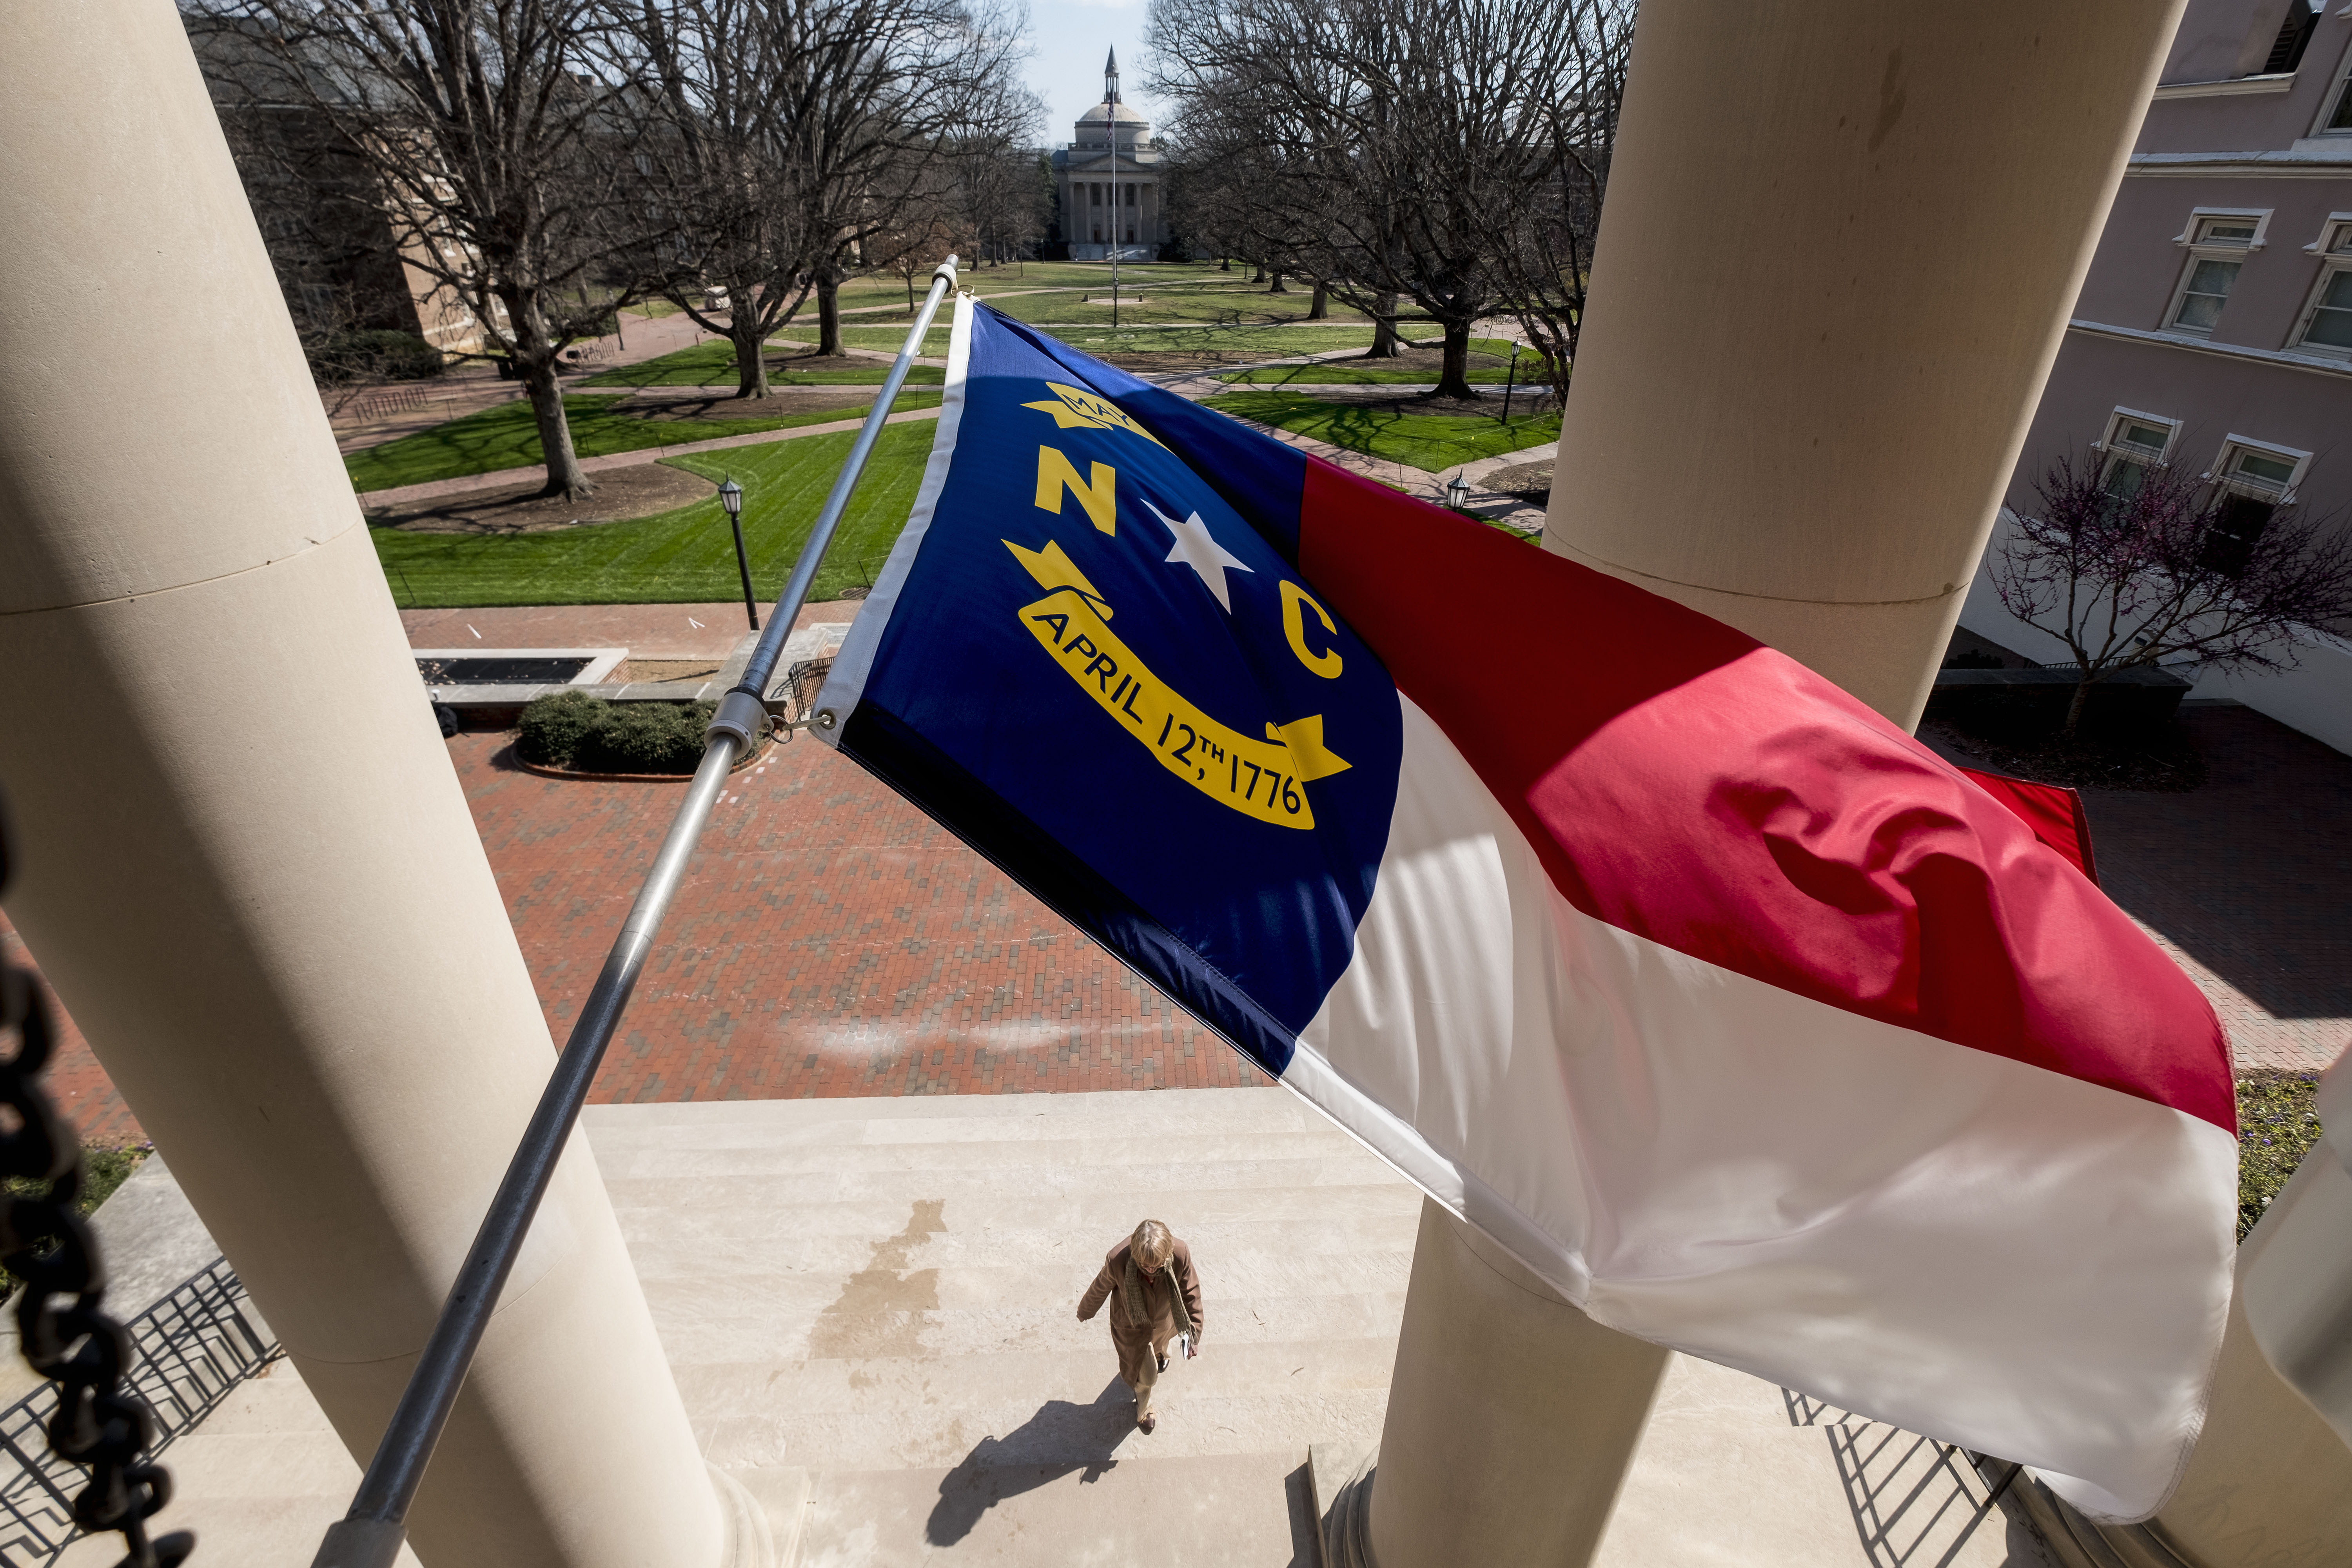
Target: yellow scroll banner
x=1262, y=779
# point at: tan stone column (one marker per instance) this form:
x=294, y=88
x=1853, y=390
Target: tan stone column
x=1841, y=242
x=247, y=866
x=1840, y=245
x=1512, y=1417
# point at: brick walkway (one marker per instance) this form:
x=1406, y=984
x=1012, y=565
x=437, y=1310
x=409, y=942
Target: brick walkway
x=2247, y=882
x=830, y=940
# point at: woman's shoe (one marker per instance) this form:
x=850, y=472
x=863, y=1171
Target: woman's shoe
x=1144, y=1424
x=1163, y=1364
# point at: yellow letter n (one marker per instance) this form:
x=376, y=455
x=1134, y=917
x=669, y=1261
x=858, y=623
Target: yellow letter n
x=1100, y=498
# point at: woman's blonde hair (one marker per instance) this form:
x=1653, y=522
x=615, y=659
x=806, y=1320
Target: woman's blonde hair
x=1152, y=1245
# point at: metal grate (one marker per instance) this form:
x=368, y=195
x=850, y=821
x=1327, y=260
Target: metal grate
x=191, y=1348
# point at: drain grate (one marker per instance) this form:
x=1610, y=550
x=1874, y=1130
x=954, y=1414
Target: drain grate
x=499, y=671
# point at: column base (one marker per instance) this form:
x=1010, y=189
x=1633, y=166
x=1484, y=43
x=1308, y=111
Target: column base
x=761, y=1513
x=1339, y=1489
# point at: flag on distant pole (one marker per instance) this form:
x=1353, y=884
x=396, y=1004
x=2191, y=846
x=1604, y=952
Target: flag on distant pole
x=1728, y=1007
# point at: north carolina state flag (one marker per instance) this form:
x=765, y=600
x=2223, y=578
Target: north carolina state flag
x=1728, y=1007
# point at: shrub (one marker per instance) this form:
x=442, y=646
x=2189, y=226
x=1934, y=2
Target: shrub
x=552, y=727
x=646, y=738
x=572, y=729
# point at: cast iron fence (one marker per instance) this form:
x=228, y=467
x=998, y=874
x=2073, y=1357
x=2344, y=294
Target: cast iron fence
x=193, y=1348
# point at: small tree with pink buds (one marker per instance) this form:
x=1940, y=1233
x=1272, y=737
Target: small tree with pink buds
x=2132, y=564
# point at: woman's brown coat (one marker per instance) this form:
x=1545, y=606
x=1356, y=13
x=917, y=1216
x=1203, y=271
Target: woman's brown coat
x=1140, y=1343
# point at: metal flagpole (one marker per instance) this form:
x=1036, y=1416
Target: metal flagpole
x=369, y=1535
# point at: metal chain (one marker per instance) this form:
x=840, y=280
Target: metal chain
x=44, y=1241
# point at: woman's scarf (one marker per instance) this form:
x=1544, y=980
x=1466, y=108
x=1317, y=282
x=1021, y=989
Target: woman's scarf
x=1130, y=1296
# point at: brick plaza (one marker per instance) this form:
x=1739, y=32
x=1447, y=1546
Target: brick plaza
x=830, y=940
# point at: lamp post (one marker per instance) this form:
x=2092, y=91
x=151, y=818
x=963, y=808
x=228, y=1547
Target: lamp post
x=1511, y=380
x=730, y=496
x=1457, y=494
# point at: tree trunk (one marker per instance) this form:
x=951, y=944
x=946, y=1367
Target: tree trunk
x=1258, y=273
x=2075, y=708
x=1225, y=264
x=1318, y=309
x=564, y=475
x=828, y=311
x=1278, y=288
x=1384, y=333
x=750, y=362
x=911, y=293
x=1453, y=376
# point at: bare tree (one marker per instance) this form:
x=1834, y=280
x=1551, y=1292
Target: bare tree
x=878, y=102
x=1540, y=246
x=715, y=128
x=2133, y=564
x=1396, y=140
x=487, y=133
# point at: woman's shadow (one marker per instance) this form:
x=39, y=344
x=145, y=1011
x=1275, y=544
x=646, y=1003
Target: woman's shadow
x=1060, y=1438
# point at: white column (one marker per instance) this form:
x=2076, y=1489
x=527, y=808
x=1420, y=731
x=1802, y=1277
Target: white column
x=247, y=867
x=1841, y=242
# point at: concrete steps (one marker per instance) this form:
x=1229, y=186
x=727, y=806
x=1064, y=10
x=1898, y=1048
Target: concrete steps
x=884, y=1292
x=869, y=1305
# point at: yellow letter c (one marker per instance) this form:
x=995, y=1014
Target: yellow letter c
x=1294, y=627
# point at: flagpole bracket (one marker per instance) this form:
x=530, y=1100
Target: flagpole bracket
x=742, y=718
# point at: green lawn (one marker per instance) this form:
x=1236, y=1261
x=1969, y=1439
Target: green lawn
x=712, y=363
x=1345, y=373
x=1170, y=307
x=1271, y=341
x=685, y=556
x=507, y=438
x=1430, y=441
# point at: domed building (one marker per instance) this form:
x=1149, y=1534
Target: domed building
x=1110, y=179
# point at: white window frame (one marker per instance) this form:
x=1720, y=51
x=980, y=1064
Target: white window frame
x=2337, y=86
x=2187, y=237
x=2234, y=444
x=2208, y=250
x=2333, y=249
x=2113, y=451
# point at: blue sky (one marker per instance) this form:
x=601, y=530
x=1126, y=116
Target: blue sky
x=1070, y=37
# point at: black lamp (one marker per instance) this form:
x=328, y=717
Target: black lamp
x=730, y=496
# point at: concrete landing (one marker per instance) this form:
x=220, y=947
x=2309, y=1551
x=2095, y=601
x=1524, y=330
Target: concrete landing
x=870, y=1306
x=885, y=1291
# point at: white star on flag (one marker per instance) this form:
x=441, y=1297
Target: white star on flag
x=1197, y=549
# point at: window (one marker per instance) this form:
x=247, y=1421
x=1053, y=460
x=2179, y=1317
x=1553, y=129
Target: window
x=2335, y=119
x=2135, y=442
x=2327, y=324
x=2255, y=479
x=2202, y=294
x=2219, y=241
x=2237, y=228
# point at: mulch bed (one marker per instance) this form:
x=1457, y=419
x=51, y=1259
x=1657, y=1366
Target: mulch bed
x=1528, y=481
x=2163, y=758
x=639, y=490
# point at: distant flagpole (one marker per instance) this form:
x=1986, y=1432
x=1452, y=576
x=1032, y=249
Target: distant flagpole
x=1111, y=121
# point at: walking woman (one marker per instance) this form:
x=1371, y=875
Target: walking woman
x=1154, y=1295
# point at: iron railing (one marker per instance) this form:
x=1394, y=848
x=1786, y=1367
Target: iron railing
x=194, y=1347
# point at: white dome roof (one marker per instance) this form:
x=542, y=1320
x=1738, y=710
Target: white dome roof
x=1100, y=113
